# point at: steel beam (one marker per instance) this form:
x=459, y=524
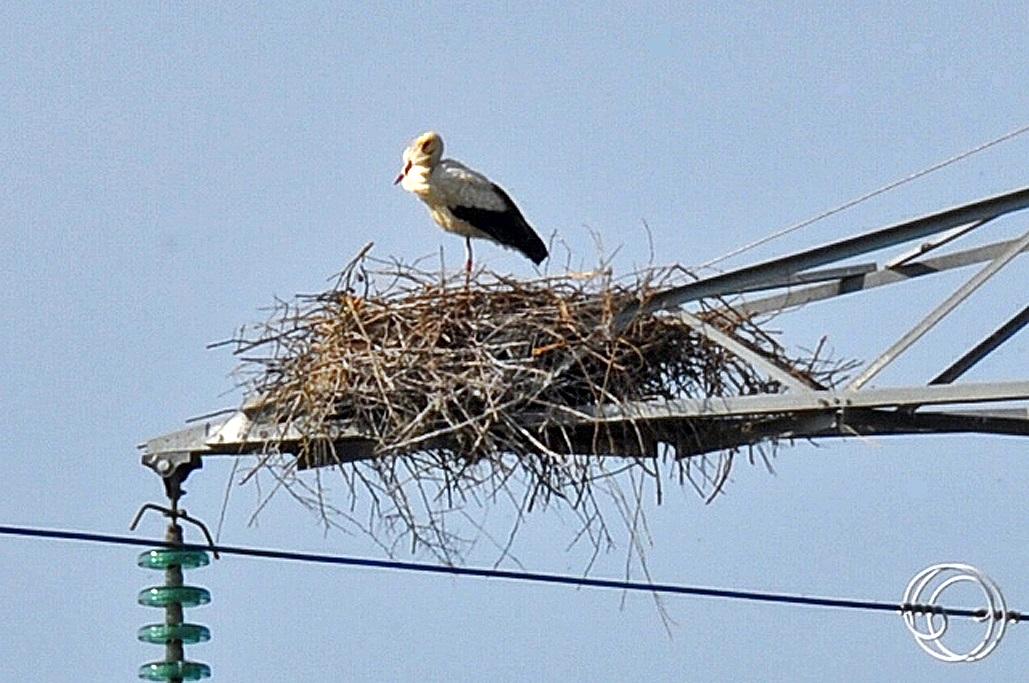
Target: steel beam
x=936, y=243
x=241, y=434
x=767, y=404
x=811, y=276
x=734, y=346
x=983, y=348
x=881, y=277
x=939, y=423
x=837, y=424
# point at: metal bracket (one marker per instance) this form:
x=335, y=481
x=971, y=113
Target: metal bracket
x=173, y=468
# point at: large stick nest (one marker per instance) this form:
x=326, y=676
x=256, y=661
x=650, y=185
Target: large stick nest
x=460, y=387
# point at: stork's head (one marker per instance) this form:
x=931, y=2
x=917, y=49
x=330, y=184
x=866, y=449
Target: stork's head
x=424, y=152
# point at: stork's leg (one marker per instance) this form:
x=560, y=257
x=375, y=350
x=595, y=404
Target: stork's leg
x=468, y=253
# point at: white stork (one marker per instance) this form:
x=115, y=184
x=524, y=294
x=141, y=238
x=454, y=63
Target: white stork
x=465, y=202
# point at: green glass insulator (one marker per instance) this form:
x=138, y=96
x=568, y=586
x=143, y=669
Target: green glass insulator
x=162, y=596
x=167, y=671
x=162, y=558
x=161, y=634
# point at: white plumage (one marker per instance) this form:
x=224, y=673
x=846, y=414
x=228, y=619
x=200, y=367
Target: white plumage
x=465, y=202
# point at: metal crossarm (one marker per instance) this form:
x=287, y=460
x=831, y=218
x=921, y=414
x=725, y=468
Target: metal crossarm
x=726, y=422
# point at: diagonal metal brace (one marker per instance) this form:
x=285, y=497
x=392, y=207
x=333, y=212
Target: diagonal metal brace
x=983, y=348
x=734, y=346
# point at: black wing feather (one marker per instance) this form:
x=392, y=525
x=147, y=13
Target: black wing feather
x=508, y=227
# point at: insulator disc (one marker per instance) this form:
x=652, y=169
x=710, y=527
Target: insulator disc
x=162, y=558
x=162, y=596
x=161, y=634
x=168, y=671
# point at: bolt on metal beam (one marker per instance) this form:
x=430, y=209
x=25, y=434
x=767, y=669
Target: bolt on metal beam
x=926, y=247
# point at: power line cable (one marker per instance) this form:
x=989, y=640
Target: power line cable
x=868, y=195
x=560, y=579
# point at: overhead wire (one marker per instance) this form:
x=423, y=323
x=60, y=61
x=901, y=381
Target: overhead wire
x=868, y=195
x=535, y=577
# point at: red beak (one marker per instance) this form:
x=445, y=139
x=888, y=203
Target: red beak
x=400, y=176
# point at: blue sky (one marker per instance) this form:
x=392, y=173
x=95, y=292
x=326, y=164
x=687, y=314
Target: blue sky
x=167, y=169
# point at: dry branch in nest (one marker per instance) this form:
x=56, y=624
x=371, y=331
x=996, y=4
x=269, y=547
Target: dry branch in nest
x=473, y=391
